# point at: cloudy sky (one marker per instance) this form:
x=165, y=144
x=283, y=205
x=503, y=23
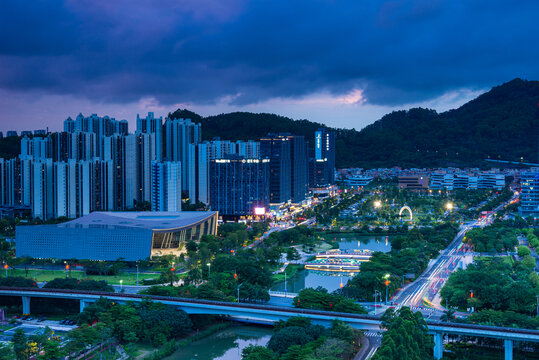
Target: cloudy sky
x=343, y=63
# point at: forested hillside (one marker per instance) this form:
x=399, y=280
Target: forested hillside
x=501, y=124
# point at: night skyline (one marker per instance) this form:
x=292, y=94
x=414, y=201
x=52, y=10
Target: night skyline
x=344, y=64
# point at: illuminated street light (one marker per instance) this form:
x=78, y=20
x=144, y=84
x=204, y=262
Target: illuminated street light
x=377, y=203
x=449, y=206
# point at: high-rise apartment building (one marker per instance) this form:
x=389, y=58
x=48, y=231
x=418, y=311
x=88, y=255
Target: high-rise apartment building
x=166, y=186
x=179, y=135
x=152, y=125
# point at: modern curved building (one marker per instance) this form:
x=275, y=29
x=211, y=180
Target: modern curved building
x=110, y=236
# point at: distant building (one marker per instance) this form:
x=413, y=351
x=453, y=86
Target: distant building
x=357, y=181
x=239, y=186
x=1, y=135
x=11, y=133
x=277, y=149
x=324, y=150
x=414, y=182
x=529, y=195
x=166, y=186
x=40, y=132
x=26, y=133
x=179, y=135
x=108, y=236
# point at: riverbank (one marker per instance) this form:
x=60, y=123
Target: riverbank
x=173, y=345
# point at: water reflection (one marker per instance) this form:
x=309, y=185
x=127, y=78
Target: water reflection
x=225, y=345
x=332, y=280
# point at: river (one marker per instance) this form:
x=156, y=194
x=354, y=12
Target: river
x=332, y=280
x=224, y=345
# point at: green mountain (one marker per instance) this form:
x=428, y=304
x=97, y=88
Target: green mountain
x=502, y=123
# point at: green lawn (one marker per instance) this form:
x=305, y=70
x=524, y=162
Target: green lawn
x=48, y=275
x=290, y=270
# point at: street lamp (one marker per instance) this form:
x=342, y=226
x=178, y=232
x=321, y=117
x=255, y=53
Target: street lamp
x=377, y=204
x=209, y=270
x=449, y=206
x=387, y=283
x=121, y=284
x=376, y=293
x=239, y=291
x=137, y=273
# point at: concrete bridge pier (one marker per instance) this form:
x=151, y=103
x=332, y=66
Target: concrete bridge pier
x=26, y=305
x=508, y=344
x=438, y=345
x=83, y=304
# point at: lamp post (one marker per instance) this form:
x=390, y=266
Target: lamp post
x=387, y=282
x=376, y=293
x=285, y=289
x=121, y=284
x=239, y=291
x=137, y=273
x=209, y=271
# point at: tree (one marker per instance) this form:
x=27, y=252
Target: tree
x=283, y=339
x=448, y=315
x=256, y=352
x=406, y=333
x=6, y=352
x=292, y=254
x=523, y=250
x=20, y=344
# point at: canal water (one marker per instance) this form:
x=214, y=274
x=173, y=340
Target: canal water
x=333, y=280
x=224, y=345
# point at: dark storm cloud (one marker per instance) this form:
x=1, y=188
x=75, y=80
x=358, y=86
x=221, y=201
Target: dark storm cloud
x=200, y=50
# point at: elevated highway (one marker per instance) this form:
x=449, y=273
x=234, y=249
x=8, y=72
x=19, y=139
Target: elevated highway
x=269, y=314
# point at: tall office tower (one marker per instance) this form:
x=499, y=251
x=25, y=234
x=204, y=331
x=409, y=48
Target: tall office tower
x=299, y=170
x=43, y=189
x=122, y=150
x=324, y=148
x=166, y=186
x=529, y=195
x=179, y=134
x=152, y=125
x=248, y=149
x=123, y=127
x=73, y=187
x=69, y=125
x=277, y=148
x=238, y=186
x=318, y=173
x=145, y=154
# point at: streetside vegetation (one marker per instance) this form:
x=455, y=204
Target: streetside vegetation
x=320, y=299
x=406, y=336
x=298, y=338
x=501, y=293
x=410, y=255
